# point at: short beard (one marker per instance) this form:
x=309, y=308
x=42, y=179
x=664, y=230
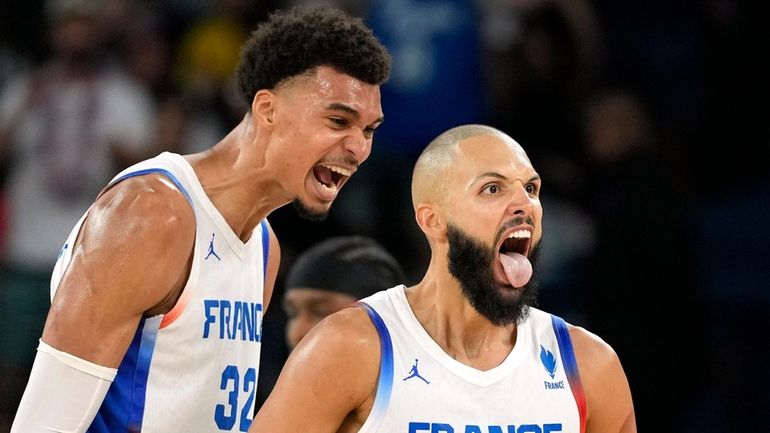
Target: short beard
x=471, y=261
x=305, y=212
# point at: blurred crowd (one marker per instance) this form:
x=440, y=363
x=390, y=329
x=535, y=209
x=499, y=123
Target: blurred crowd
x=647, y=121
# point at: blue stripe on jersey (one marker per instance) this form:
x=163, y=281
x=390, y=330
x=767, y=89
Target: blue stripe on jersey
x=565, y=347
x=123, y=407
x=162, y=171
x=570, y=367
x=385, y=384
x=265, y=248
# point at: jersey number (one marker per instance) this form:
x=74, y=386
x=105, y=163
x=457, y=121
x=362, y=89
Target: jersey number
x=226, y=415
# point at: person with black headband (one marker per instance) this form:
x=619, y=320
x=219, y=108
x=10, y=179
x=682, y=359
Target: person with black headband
x=330, y=276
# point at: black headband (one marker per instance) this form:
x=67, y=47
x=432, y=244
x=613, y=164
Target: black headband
x=354, y=265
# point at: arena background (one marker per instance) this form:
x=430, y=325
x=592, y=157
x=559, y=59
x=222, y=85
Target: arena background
x=648, y=121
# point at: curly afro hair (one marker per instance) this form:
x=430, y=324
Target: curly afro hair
x=294, y=41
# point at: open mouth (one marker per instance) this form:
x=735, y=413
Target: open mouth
x=518, y=241
x=331, y=177
x=513, y=260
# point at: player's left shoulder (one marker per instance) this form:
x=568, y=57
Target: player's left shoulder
x=591, y=351
x=607, y=392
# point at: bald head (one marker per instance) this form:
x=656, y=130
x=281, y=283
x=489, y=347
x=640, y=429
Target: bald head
x=427, y=185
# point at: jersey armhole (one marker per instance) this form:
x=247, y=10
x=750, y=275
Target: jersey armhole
x=265, y=250
x=385, y=380
x=570, y=367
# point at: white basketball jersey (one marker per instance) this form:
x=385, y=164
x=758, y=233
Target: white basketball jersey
x=421, y=389
x=193, y=369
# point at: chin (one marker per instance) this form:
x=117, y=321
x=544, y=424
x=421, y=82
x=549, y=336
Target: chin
x=310, y=213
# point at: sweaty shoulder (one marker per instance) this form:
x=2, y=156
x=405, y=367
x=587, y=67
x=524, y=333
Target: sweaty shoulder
x=146, y=205
x=330, y=378
x=149, y=221
x=153, y=197
x=608, y=396
x=590, y=349
x=349, y=332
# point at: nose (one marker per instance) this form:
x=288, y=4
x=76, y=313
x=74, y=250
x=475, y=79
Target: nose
x=359, y=145
x=522, y=203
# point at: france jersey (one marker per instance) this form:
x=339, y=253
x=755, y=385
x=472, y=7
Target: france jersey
x=193, y=369
x=421, y=389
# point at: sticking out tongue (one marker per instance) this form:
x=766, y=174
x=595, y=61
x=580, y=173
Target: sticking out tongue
x=517, y=268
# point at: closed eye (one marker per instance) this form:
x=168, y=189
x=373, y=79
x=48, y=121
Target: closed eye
x=338, y=121
x=369, y=132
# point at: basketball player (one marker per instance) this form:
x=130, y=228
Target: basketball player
x=330, y=276
x=463, y=350
x=159, y=291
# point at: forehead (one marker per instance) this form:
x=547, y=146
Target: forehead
x=325, y=86
x=491, y=154
x=308, y=295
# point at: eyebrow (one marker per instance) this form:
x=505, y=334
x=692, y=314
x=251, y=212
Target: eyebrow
x=501, y=177
x=350, y=110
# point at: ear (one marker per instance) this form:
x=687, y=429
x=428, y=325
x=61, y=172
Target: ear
x=430, y=221
x=263, y=107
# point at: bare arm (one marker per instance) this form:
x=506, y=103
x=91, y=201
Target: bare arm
x=131, y=257
x=609, y=405
x=329, y=380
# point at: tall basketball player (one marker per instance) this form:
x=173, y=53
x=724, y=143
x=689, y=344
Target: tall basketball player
x=159, y=291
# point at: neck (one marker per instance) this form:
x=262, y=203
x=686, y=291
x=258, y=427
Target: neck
x=442, y=309
x=237, y=180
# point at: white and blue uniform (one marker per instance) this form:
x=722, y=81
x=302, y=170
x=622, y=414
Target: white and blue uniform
x=421, y=389
x=193, y=369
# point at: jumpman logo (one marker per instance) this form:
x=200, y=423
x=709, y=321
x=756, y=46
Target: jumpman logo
x=414, y=373
x=211, y=250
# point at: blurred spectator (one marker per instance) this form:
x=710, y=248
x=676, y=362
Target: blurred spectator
x=149, y=52
x=542, y=58
x=206, y=56
x=65, y=128
x=641, y=295
x=733, y=258
x=731, y=224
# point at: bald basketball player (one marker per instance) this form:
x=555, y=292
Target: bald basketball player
x=463, y=350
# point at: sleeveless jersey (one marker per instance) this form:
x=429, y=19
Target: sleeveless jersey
x=193, y=369
x=421, y=389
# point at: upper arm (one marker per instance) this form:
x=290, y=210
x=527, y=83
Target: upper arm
x=329, y=376
x=609, y=405
x=131, y=255
x=273, y=263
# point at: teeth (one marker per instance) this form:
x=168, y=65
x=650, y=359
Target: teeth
x=340, y=170
x=333, y=187
x=520, y=234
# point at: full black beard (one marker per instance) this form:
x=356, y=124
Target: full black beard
x=305, y=212
x=471, y=261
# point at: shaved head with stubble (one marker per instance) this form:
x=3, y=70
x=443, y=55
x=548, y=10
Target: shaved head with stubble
x=470, y=259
